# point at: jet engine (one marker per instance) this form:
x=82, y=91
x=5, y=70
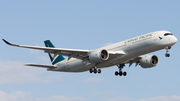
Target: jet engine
x=149, y=61
x=98, y=56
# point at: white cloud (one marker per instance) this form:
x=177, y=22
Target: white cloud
x=120, y=99
x=16, y=72
x=26, y=96
x=61, y=98
x=33, y=51
x=15, y=96
x=94, y=80
x=45, y=59
x=104, y=94
x=162, y=98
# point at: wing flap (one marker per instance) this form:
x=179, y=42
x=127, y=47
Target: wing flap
x=135, y=60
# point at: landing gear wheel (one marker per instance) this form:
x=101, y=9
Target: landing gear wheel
x=99, y=71
x=124, y=73
x=116, y=73
x=90, y=71
x=167, y=50
x=95, y=71
x=167, y=55
x=120, y=73
x=169, y=47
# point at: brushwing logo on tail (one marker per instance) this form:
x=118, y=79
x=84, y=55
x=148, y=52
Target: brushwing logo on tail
x=55, y=58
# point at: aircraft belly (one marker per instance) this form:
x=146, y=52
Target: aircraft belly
x=77, y=66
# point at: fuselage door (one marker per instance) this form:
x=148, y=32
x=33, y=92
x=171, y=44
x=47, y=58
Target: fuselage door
x=155, y=36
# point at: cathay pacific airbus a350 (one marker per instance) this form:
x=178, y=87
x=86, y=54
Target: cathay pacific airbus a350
x=126, y=52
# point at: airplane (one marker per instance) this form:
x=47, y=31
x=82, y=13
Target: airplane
x=125, y=52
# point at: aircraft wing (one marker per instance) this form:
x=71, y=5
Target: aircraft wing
x=76, y=53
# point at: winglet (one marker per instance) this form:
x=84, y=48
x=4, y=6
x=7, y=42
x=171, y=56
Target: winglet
x=9, y=43
x=6, y=42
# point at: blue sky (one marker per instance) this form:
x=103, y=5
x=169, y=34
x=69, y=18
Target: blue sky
x=85, y=25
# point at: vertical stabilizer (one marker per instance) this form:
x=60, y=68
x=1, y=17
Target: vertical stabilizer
x=53, y=57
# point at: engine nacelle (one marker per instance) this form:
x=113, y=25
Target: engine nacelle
x=149, y=61
x=98, y=56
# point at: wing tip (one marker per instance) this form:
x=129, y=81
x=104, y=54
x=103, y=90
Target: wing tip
x=9, y=43
x=6, y=42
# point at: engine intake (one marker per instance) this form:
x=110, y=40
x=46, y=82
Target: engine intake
x=99, y=56
x=149, y=61
x=104, y=55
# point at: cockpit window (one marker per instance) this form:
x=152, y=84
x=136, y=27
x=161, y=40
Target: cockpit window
x=168, y=34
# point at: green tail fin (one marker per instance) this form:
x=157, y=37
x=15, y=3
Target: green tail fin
x=54, y=58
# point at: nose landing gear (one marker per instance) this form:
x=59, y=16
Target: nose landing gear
x=120, y=73
x=167, y=50
x=167, y=55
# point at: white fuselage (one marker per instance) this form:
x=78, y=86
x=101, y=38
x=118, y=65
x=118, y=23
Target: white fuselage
x=133, y=47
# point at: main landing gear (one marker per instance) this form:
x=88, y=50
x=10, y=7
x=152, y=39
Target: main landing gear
x=120, y=73
x=167, y=50
x=95, y=70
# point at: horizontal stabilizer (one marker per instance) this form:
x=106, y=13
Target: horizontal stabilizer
x=43, y=66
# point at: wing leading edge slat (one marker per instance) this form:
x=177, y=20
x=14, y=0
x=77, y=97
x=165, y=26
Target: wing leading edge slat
x=60, y=51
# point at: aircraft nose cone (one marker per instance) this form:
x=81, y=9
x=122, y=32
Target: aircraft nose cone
x=175, y=39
